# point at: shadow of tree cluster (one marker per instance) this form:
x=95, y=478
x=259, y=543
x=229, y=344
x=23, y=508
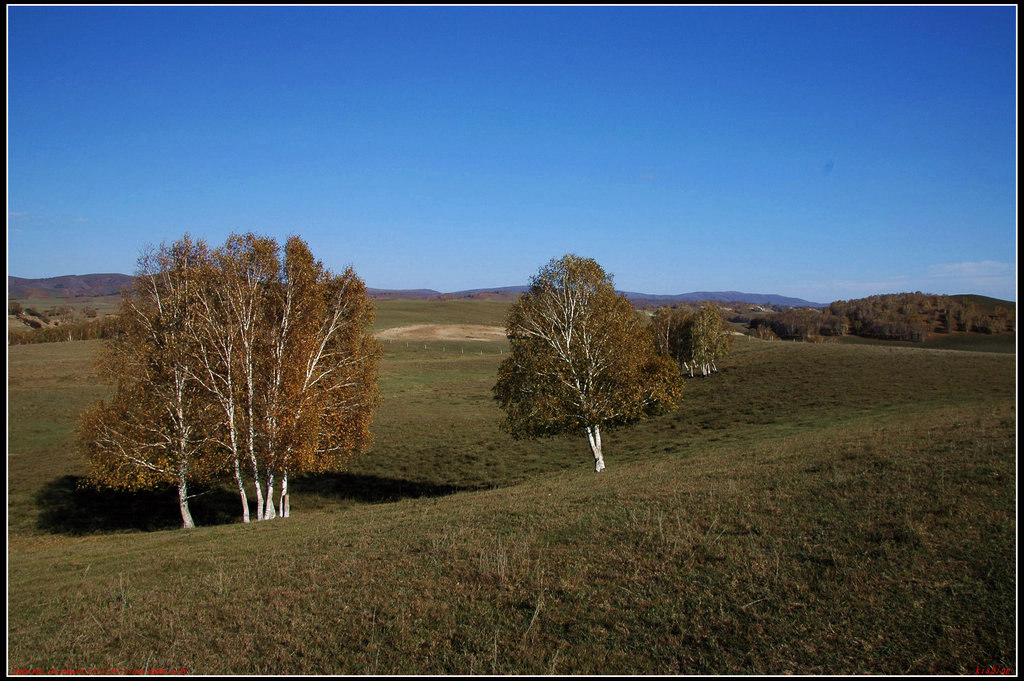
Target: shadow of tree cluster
x=371, y=489
x=70, y=505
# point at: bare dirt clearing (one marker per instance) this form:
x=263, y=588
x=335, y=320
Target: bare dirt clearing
x=453, y=332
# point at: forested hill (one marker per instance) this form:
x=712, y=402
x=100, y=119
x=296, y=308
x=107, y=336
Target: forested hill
x=898, y=316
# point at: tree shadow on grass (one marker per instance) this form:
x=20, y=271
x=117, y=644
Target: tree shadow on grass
x=371, y=489
x=68, y=505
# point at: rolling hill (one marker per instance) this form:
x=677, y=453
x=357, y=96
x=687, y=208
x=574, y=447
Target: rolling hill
x=68, y=286
x=90, y=285
x=111, y=284
x=813, y=508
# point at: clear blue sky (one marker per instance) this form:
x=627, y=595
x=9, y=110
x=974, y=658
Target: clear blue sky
x=823, y=153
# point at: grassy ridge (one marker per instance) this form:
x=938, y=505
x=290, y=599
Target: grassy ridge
x=969, y=342
x=391, y=313
x=810, y=509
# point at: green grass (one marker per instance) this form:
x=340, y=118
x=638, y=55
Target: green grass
x=102, y=304
x=403, y=311
x=810, y=509
x=971, y=342
x=48, y=386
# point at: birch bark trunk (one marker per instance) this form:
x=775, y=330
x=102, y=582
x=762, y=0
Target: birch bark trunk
x=256, y=484
x=284, y=495
x=186, y=515
x=271, y=511
x=241, y=492
x=594, y=436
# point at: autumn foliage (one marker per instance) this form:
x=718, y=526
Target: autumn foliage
x=898, y=316
x=696, y=341
x=582, y=358
x=234, y=362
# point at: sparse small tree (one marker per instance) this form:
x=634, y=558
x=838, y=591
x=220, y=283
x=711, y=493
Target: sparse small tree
x=708, y=340
x=582, y=359
x=694, y=341
x=66, y=313
x=671, y=327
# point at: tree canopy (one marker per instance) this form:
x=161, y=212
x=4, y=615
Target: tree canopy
x=582, y=358
x=234, y=362
x=894, y=316
x=694, y=341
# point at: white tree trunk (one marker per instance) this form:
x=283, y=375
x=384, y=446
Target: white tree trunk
x=241, y=492
x=186, y=515
x=284, y=495
x=250, y=397
x=271, y=511
x=256, y=484
x=594, y=436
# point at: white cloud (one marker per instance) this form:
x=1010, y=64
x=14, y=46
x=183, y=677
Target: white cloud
x=971, y=270
x=987, y=277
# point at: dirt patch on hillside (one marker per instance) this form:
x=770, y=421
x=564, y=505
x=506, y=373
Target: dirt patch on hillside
x=452, y=332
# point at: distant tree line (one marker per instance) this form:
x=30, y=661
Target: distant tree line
x=899, y=316
x=86, y=329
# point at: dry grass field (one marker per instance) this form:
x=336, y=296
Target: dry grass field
x=811, y=509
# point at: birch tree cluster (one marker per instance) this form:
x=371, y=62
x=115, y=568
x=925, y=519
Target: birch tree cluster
x=694, y=340
x=238, y=362
x=582, y=359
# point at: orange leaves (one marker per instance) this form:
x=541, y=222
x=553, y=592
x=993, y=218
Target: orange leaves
x=581, y=356
x=229, y=351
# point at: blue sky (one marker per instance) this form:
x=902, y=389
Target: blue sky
x=823, y=153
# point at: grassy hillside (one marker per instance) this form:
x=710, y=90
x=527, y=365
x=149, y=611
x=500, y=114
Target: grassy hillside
x=391, y=313
x=813, y=508
x=970, y=342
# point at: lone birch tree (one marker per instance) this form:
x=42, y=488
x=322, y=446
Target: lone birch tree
x=582, y=359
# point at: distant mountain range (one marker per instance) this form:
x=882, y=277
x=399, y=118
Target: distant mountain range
x=68, y=286
x=640, y=299
x=88, y=285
